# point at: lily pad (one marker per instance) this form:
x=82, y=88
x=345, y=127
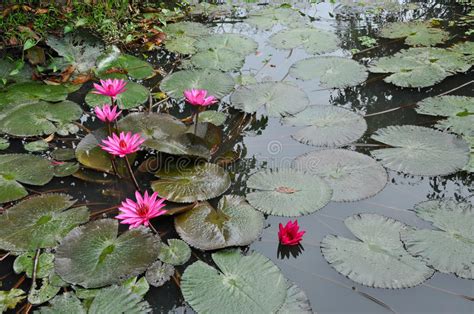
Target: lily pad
x=312, y=40
x=327, y=126
x=287, y=192
x=190, y=183
x=63, y=154
x=465, y=48
x=378, y=258
x=14, y=71
x=44, y=293
x=66, y=169
x=421, y=151
x=243, y=284
x=9, y=299
x=39, y=118
x=332, y=72
x=159, y=273
x=183, y=45
x=36, y=146
x=182, y=36
x=22, y=168
x=351, y=175
x=217, y=84
x=233, y=223
x=134, y=67
x=39, y=222
x=27, y=91
x=211, y=116
x=277, y=98
x=219, y=59
x=177, y=252
x=296, y=301
x=94, y=255
x=64, y=303
x=4, y=143
x=165, y=133
x=416, y=33
x=449, y=248
x=134, y=96
x=239, y=44
x=268, y=17
x=24, y=263
x=118, y=299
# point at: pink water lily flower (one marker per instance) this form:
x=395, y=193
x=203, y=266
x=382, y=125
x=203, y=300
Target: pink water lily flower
x=290, y=234
x=110, y=87
x=122, y=145
x=197, y=97
x=140, y=212
x=107, y=113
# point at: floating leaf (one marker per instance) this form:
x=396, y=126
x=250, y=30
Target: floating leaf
x=134, y=96
x=22, y=168
x=36, y=146
x=450, y=248
x=66, y=169
x=137, y=286
x=243, y=284
x=118, y=299
x=39, y=222
x=182, y=36
x=9, y=299
x=64, y=303
x=459, y=125
x=4, y=143
x=211, y=116
x=134, y=67
x=296, y=301
x=332, y=72
x=421, y=151
x=159, y=273
x=27, y=92
x=39, y=118
x=177, y=252
x=465, y=48
x=378, y=260
x=277, y=98
x=268, y=17
x=63, y=154
x=312, y=40
x=217, y=84
x=14, y=71
x=233, y=223
x=416, y=33
x=287, y=192
x=190, y=183
x=45, y=292
x=94, y=255
x=220, y=59
x=184, y=45
x=165, y=133
x=239, y=44
x=327, y=126
x=351, y=175
x=24, y=264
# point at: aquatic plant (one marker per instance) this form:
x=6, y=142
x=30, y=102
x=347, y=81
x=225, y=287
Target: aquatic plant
x=290, y=234
x=140, y=212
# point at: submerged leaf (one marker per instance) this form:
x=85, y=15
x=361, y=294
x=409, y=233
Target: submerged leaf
x=45, y=292
x=134, y=67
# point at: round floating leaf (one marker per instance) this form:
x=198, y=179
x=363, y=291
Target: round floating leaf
x=332, y=72
x=134, y=96
x=465, y=48
x=37, y=118
x=243, y=284
x=296, y=301
x=220, y=59
x=63, y=154
x=217, y=84
x=183, y=45
x=239, y=44
x=45, y=292
x=159, y=273
x=177, y=252
x=4, y=143
x=165, y=133
x=9, y=299
x=39, y=222
x=66, y=169
x=421, y=151
x=233, y=223
x=39, y=91
x=22, y=168
x=327, y=126
x=117, y=299
x=378, y=260
x=312, y=40
x=182, y=36
x=190, y=183
x=64, y=303
x=446, y=106
x=277, y=98
x=36, y=146
x=459, y=125
x=133, y=66
x=268, y=17
x=450, y=248
x=351, y=175
x=287, y=192
x=24, y=263
x=211, y=116
x=416, y=33
x=94, y=255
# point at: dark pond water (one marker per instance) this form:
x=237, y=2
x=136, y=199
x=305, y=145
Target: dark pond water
x=265, y=143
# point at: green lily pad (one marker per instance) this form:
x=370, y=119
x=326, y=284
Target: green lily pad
x=189, y=183
x=4, y=143
x=22, y=168
x=243, y=284
x=39, y=118
x=312, y=40
x=24, y=264
x=9, y=299
x=268, y=17
x=39, y=222
x=351, y=175
x=449, y=248
x=378, y=258
x=177, y=252
x=134, y=67
x=459, y=125
x=416, y=33
x=211, y=116
x=36, y=91
x=233, y=223
x=219, y=59
x=165, y=133
x=159, y=273
x=239, y=44
x=465, y=48
x=44, y=293
x=64, y=303
x=287, y=192
x=66, y=169
x=332, y=72
x=183, y=45
x=134, y=96
x=63, y=154
x=118, y=299
x=36, y=146
x=182, y=36
x=277, y=98
x=137, y=286
x=94, y=255
x=327, y=126
x=216, y=83
x=421, y=151
x=296, y=301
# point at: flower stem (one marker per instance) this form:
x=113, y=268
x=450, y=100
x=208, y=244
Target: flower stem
x=153, y=229
x=130, y=171
x=112, y=158
x=196, y=122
